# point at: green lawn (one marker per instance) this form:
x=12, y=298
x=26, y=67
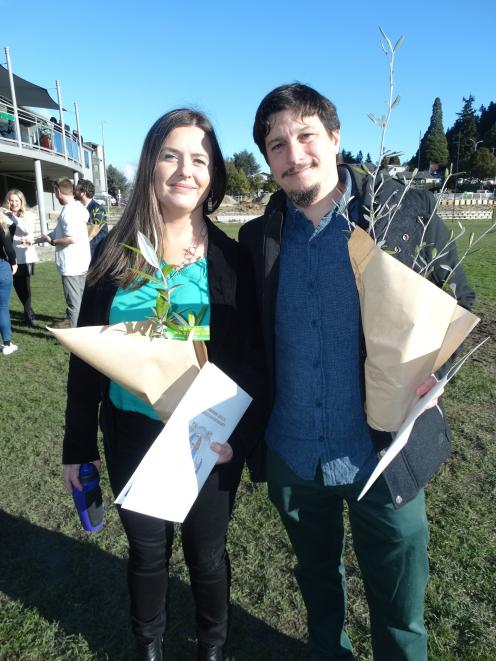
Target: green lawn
x=63, y=592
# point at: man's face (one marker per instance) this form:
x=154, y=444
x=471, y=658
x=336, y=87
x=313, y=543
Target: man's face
x=78, y=194
x=302, y=157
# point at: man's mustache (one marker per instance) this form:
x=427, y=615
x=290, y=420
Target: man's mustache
x=298, y=168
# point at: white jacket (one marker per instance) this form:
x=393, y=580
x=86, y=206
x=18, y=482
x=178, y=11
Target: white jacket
x=24, y=229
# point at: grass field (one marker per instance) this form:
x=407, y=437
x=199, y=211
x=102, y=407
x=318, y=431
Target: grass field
x=63, y=593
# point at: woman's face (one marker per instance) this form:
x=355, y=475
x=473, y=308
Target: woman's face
x=14, y=203
x=184, y=171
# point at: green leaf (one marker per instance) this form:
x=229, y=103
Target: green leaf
x=200, y=315
x=167, y=269
x=136, y=250
x=148, y=251
x=146, y=276
x=159, y=307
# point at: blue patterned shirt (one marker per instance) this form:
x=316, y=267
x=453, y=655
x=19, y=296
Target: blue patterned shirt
x=318, y=417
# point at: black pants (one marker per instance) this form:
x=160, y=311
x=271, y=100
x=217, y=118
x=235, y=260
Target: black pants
x=22, y=286
x=150, y=539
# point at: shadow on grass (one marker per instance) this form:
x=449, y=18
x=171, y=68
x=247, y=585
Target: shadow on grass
x=83, y=589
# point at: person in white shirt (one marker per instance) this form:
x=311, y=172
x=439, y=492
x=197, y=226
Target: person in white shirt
x=22, y=230
x=72, y=248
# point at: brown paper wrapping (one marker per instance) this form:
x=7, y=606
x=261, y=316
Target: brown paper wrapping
x=94, y=229
x=157, y=370
x=411, y=328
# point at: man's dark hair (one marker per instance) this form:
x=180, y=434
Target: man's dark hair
x=87, y=187
x=304, y=101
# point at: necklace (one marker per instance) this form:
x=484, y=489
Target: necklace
x=190, y=251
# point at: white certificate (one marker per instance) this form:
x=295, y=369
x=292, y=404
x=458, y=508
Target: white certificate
x=417, y=409
x=171, y=474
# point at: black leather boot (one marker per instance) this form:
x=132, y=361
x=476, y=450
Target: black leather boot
x=149, y=651
x=210, y=653
x=29, y=319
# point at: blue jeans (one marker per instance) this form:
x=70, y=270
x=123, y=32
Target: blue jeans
x=5, y=292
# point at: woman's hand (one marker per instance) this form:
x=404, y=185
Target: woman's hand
x=224, y=450
x=14, y=269
x=71, y=475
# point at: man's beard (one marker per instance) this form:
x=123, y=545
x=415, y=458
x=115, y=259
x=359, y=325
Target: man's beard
x=304, y=198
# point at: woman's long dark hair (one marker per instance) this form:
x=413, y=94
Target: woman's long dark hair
x=142, y=213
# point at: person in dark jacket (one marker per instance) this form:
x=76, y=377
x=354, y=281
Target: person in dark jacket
x=84, y=191
x=320, y=450
x=181, y=176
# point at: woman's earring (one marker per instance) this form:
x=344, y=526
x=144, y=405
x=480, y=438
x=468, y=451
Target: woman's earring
x=210, y=203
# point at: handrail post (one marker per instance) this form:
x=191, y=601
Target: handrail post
x=61, y=113
x=14, y=99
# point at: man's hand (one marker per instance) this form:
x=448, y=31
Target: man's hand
x=424, y=388
x=71, y=475
x=14, y=269
x=224, y=450
x=44, y=238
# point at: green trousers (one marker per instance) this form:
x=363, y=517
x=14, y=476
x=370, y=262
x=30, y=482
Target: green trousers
x=391, y=548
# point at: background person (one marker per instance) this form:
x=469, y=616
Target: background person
x=181, y=175
x=22, y=231
x=320, y=448
x=84, y=192
x=8, y=267
x=72, y=248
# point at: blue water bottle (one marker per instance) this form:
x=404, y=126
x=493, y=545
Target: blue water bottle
x=89, y=503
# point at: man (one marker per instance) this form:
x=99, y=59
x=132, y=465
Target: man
x=72, y=248
x=320, y=450
x=84, y=192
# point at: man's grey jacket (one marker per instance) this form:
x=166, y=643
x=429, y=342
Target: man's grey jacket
x=430, y=440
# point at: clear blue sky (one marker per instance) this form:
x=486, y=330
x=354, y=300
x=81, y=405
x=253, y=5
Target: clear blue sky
x=128, y=62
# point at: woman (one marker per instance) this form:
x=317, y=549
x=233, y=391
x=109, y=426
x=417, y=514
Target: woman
x=180, y=176
x=8, y=267
x=22, y=230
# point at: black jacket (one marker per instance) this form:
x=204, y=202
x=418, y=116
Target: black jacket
x=98, y=213
x=7, y=251
x=430, y=441
x=87, y=388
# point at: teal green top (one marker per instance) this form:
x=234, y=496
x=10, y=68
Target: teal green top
x=138, y=304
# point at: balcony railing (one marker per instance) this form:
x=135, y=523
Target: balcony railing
x=37, y=133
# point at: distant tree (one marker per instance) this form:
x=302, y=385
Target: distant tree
x=483, y=163
x=347, y=156
x=245, y=160
x=359, y=157
x=434, y=145
x=487, y=125
x=394, y=160
x=463, y=135
x=368, y=158
x=256, y=183
x=270, y=185
x=237, y=181
x=116, y=181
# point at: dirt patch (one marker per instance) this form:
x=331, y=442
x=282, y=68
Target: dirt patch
x=485, y=328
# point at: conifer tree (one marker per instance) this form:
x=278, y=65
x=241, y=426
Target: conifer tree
x=463, y=136
x=487, y=125
x=434, y=145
